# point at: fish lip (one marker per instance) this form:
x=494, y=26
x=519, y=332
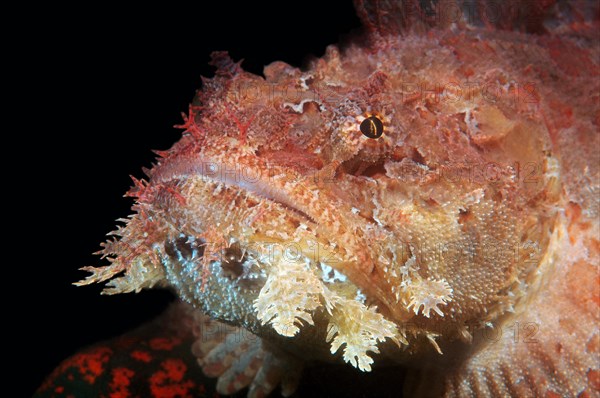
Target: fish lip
x=197, y=165
x=277, y=190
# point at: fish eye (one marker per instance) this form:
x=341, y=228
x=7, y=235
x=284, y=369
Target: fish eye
x=372, y=127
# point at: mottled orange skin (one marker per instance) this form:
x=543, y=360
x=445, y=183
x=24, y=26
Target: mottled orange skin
x=453, y=101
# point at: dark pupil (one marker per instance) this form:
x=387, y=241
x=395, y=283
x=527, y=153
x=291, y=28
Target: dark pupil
x=372, y=127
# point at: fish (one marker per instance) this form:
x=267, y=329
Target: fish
x=424, y=196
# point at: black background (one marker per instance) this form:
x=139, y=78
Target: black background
x=106, y=85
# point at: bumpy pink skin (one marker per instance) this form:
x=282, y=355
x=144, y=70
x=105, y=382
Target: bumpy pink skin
x=538, y=124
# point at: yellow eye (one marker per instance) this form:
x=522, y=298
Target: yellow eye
x=372, y=127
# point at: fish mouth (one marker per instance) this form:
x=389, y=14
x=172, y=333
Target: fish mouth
x=254, y=176
x=331, y=221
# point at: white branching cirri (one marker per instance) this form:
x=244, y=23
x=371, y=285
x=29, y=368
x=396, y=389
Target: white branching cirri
x=293, y=291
